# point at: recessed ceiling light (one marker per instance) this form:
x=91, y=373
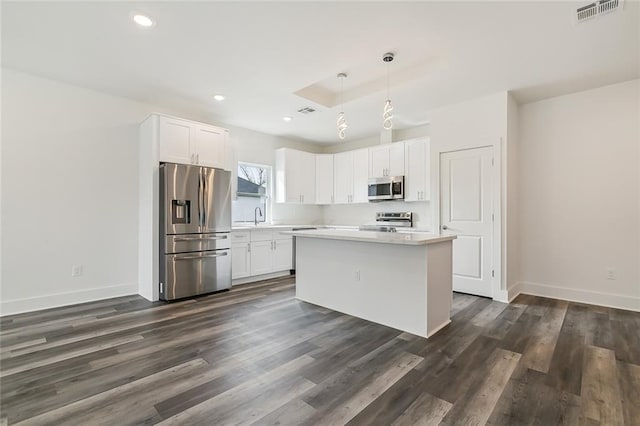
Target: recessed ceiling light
x=218, y=97
x=143, y=20
x=287, y=118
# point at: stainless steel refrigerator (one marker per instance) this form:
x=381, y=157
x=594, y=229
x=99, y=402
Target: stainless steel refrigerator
x=195, y=227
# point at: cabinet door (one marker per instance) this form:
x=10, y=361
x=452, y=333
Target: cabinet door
x=360, y=176
x=343, y=177
x=324, y=179
x=175, y=140
x=261, y=257
x=306, y=176
x=427, y=170
x=240, y=260
x=209, y=146
x=288, y=168
x=282, y=254
x=378, y=161
x=396, y=159
x=415, y=179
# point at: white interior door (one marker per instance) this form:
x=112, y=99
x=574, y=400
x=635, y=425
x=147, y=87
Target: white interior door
x=466, y=211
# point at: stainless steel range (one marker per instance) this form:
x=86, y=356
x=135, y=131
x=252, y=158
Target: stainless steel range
x=195, y=226
x=389, y=221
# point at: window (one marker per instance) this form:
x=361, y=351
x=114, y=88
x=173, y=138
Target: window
x=253, y=189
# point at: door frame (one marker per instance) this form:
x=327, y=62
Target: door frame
x=497, y=286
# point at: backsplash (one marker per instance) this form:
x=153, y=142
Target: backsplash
x=362, y=214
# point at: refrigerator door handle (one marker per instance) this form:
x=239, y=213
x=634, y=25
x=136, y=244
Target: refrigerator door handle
x=201, y=256
x=223, y=237
x=199, y=199
x=204, y=196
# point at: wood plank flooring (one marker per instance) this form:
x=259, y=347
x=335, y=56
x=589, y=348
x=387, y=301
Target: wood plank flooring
x=256, y=355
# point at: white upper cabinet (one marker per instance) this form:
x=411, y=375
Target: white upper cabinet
x=417, y=182
x=324, y=179
x=351, y=173
x=343, y=177
x=188, y=142
x=210, y=146
x=360, y=176
x=386, y=160
x=295, y=176
x=175, y=137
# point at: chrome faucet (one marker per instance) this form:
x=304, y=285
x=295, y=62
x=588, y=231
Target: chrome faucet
x=255, y=215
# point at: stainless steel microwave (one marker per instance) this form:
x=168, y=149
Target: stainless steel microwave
x=386, y=188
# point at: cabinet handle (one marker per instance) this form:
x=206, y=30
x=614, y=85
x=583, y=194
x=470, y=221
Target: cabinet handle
x=197, y=158
x=249, y=248
x=275, y=245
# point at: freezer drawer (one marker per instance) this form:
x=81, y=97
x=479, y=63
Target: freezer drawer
x=191, y=274
x=196, y=242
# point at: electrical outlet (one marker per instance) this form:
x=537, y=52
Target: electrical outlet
x=76, y=270
x=611, y=274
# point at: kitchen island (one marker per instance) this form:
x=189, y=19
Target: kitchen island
x=401, y=280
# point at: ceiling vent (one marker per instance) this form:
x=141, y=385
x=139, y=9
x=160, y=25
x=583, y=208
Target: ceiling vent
x=595, y=9
x=306, y=110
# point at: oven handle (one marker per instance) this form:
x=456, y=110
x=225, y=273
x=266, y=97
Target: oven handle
x=223, y=237
x=201, y=256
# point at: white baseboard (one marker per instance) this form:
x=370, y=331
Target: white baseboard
x=255, y=278
x=514, y=291
x=576, y=295
x=18, y=306
x=438, y=328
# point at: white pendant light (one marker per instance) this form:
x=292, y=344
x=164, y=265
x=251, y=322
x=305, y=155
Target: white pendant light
x=387, y=114
x=341, y=122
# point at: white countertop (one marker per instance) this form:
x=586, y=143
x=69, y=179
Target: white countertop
x=250, y=227
x=404, y=238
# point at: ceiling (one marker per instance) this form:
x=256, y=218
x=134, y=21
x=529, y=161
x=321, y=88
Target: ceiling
x=270, y=58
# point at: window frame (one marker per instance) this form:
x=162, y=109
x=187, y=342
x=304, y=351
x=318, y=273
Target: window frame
x=269, y=192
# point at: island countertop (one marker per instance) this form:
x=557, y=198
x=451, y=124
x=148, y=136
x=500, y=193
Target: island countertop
x=403, y=238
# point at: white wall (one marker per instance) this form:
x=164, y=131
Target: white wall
x=69, y=188
x=580, y=196
x=511, y=207
x=471, y=124
x=259, y=148
x=70, y=191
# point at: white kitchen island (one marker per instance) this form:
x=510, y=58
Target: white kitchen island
x=401, y=280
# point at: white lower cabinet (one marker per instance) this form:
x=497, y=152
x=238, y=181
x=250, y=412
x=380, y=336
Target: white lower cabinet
x=240, y=260
x=261, y=257
x=282, y=254
x=259, y=252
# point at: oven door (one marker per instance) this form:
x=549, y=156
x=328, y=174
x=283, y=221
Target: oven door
x=191, y=274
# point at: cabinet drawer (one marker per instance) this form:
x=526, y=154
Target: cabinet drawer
x=240, y=236
x=261, y=235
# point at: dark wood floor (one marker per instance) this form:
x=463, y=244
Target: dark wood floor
x=257, y=355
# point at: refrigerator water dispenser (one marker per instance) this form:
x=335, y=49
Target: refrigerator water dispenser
x=180, y=211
